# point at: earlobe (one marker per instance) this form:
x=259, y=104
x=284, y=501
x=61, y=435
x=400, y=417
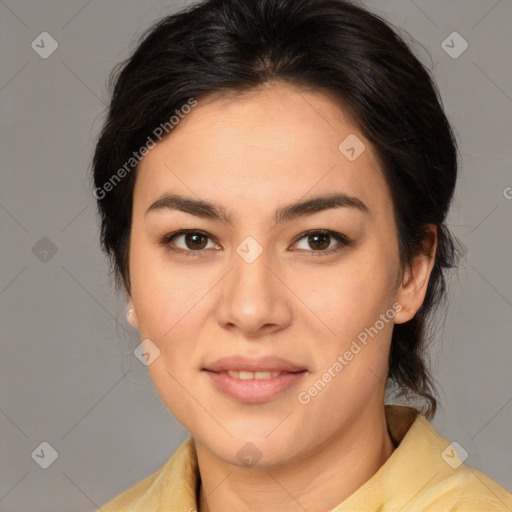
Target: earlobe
x=131, y=315
x=411, y=292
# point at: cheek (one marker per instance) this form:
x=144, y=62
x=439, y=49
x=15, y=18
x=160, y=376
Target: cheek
x=164, y=295
x=351, y=296
x=172, y=383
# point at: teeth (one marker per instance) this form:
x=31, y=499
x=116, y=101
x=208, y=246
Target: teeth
x=252, y=375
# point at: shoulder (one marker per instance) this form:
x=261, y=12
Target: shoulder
x=466, y=490
x=175, y=482
x=449, y=484
x=131, y=498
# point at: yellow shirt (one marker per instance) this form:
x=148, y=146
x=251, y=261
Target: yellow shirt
x=423, y=474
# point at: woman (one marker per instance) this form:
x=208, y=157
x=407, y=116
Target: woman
x=273, y=181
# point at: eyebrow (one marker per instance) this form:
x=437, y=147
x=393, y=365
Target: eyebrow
x=209, y=210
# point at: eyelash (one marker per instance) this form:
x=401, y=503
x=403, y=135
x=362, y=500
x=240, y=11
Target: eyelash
x=167, y=239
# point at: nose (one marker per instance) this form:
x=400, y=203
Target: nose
x=254, y=299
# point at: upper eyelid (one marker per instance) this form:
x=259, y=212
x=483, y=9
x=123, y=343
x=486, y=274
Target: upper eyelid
x=172, y=236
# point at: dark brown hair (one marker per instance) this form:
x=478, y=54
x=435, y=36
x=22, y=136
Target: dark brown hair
x=226, y=46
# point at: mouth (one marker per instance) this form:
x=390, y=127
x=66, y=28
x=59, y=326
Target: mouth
x=244, y=375
x=253, y=380
x=259, y=366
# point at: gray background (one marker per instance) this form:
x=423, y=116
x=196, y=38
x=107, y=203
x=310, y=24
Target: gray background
x=67, y=372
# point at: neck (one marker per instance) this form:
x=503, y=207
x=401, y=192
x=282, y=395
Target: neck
x=316, y=483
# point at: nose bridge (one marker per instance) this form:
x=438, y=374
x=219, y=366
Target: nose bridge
x=251, y=296
x=251, y=276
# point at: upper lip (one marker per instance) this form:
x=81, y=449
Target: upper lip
x=252, y=364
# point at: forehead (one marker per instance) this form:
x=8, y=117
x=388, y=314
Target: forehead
x=260, y=147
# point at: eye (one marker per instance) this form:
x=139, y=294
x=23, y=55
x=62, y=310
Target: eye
x=194, y=242
x=320, y=240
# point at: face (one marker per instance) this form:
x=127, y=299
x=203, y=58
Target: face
x=274, y=288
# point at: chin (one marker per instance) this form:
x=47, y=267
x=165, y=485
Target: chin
x=252, y=455
x=253, y=448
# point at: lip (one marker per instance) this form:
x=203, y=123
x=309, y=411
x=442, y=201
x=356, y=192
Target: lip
x=253, y=364
x=254, y=390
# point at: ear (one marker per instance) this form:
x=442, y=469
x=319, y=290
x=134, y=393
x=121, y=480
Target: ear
x=131, y=314
x=413, y=288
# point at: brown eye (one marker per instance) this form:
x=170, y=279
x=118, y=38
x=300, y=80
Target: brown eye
x=319, y=242
x=188, y=242
x=195, y=241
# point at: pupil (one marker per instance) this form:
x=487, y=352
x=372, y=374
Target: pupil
x=191, y=239
x=313, y=240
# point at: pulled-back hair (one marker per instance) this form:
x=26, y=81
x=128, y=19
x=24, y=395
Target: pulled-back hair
x=230, y=46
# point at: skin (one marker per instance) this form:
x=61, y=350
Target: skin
x=254, y=153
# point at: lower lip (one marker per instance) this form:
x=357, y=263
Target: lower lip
x=254, y=391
